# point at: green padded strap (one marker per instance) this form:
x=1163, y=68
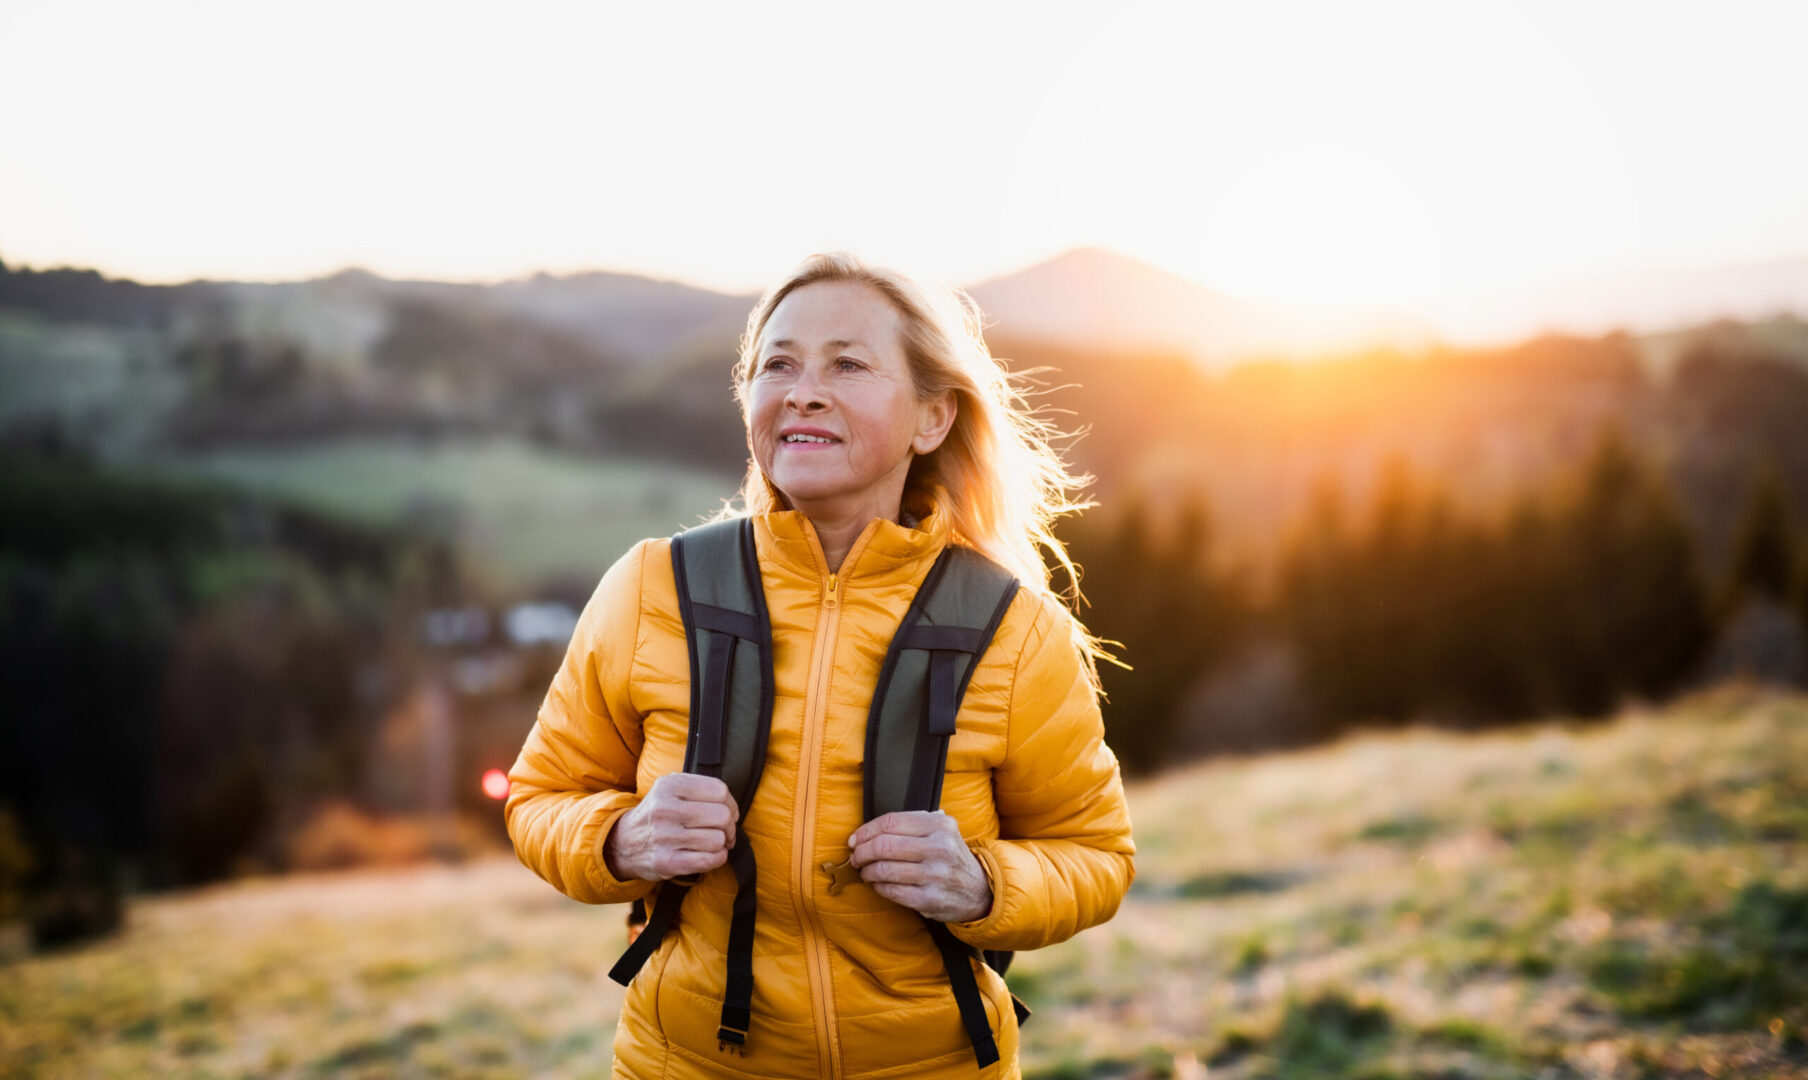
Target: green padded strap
x=953, y=616
x=724, y=609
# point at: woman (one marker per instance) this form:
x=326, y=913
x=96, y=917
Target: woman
x=880, y=431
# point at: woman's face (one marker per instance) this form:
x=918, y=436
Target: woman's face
x=832, y=413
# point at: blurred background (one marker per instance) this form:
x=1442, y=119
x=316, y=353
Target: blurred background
x=1442, y=369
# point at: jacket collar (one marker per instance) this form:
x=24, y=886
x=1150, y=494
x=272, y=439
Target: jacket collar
x=885, y=553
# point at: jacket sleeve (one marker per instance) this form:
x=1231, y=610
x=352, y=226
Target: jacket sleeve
x=1063, y=860
x=576, y=774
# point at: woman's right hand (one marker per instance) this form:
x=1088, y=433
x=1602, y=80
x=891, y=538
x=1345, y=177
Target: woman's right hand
x=685, y=825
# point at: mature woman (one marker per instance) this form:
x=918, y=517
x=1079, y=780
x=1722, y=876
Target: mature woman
x=881, y=431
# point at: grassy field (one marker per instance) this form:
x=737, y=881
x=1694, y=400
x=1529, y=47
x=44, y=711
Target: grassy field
x=522, y=513
x=1625, y=900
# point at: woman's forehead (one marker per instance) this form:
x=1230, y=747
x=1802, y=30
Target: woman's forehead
x=832, y=315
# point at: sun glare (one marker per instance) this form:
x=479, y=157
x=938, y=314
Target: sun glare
x=1387, y=153
x=1322, y=225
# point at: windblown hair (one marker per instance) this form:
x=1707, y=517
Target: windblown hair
x=997, y=475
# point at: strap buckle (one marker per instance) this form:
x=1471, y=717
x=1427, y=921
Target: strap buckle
x=732, y=1040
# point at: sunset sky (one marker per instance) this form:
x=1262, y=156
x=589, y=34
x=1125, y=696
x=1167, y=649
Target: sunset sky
x=1370, y=153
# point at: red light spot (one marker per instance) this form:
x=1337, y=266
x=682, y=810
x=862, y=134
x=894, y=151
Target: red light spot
x=496, y=784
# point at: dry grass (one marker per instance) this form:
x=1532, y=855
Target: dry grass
x=1625, y=900
x=1617, y=901
x=478, y=970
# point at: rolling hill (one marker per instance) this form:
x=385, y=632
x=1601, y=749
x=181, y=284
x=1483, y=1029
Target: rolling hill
x=1617, y=901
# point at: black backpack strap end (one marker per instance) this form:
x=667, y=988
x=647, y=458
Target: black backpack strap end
x=664, y=916
x=957, y=959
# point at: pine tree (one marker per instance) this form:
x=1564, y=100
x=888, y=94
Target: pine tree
x=1313, y=595
x=1763, y=554
x=1801, y=585
x=1631, y=610
x=1520, y=588
x=1157, y=592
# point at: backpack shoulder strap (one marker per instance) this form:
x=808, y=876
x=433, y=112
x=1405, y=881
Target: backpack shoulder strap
x=730, y=639
x=951, y=621
x=949, y=626
x=729, y=636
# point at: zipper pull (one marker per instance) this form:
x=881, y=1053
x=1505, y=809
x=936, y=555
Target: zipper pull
x=831, y=597
x=841, y=875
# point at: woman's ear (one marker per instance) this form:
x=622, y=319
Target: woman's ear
x=935, y=416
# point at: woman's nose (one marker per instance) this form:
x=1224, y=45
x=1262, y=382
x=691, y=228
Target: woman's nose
x=806, y=393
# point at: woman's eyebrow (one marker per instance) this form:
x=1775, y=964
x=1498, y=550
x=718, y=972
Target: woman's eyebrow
x=838, y=343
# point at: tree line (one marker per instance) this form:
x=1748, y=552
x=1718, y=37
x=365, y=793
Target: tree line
x=1575, y=596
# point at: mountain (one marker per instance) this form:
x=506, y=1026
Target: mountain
x=636, y=320
x=1093, y=298
x=642, y=318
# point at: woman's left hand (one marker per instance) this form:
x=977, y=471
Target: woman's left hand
x=917, y=858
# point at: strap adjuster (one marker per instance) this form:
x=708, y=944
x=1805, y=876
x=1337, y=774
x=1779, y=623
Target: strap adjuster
x=732, y=1040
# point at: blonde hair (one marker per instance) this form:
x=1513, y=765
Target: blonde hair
x=997, y=475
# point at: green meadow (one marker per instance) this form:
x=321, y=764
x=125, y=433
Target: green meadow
x=1627, y=899
x=519, y=512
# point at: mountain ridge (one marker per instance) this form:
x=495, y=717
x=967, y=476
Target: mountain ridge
x=1086, y=296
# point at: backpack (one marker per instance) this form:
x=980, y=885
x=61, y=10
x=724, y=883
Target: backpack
x=950, y=622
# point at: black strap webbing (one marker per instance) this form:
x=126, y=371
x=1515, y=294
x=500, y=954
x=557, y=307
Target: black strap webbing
x=737, y=997
x=665, y=913
x=955, y=954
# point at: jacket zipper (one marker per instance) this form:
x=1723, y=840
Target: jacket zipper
x=802, y=880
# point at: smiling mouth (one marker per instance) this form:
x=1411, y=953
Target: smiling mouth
x=820, y=440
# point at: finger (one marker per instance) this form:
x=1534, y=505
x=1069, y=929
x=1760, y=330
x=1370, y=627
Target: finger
x=697, y=815
x=719, y=798
x=892, y=872
x=695, y=840
x=914, y=897
x=706, y=815
x=901, y=823
x=695, y=787
x=891, y=846
x=711, y=816
x=679, y=863
x=721, y=813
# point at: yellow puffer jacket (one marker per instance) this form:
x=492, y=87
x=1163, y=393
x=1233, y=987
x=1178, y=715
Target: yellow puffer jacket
x=848, y=985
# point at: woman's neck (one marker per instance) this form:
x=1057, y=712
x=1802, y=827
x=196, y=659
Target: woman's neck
x=839, y=523
x=837, y=537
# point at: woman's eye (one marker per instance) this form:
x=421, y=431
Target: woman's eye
x=776, y=363
x=847, y=365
